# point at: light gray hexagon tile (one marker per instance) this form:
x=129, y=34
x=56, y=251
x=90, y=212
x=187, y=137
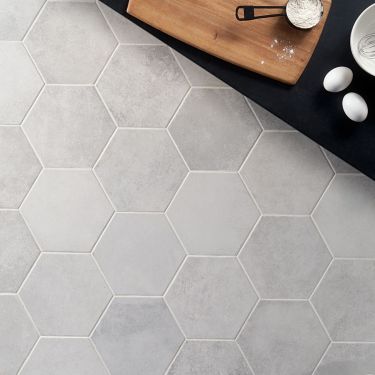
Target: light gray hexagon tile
x=213, y=213
x=285, y=257
x=214, y=129
x=137, y=336
x=17, y=334
x=196, y=75
x=65, y=294
x=346, y=216
x=141, y=170
x=16, y=17
x=18, y=251
x=71, y=42
x=19, y=166
x=345, y=300
x=139, y=254
x=209, y=358
x=268, y=120
x=69, y=126
x=287, y=173
x=63, y=356
x=339, y=165
x=211, y=297
x=348, y=359
x=283, y=338
x=67, y=210
x=20, y=83
x=126, y=31
x=146, y=77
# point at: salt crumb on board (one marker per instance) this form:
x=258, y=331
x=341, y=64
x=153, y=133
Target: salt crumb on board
x=285, y=50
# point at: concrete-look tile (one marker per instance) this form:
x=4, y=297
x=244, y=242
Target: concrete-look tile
x=146, y=77
x=64, y=356
x=213, y=213
x=283, y=338
x=345, y=300
x=19, y=167
x=285, y=257
x=210, y=358
x=65, y=294
x=139, y=254
x=287, y=173
x=20, y=83
x=339, y=165
x=18, y=251
x=348, y=359
x=71, y=42
x=214, y=129
x=137, y=336
x=268, y=120
x=66, y=210
x=141, y=170
x=211, y=297
x=125, y=30
x=17, y=334
x=69, y=126
x=16, y=17
x=196, y=74
x=346, y=216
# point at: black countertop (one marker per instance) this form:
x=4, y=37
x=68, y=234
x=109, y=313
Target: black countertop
x=305, y=106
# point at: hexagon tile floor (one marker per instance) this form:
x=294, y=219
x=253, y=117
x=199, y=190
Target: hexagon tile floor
x=153, y=221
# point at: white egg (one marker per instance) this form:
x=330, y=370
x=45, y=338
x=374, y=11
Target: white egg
x=338, y=79
x=355, y=107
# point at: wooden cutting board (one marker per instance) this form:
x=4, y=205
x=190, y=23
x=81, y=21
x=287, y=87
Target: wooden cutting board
x=270, y=46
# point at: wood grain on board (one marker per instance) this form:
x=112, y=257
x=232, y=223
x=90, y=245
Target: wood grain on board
x=270, y=46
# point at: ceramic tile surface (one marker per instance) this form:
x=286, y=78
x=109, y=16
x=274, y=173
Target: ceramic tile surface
x=153, y=221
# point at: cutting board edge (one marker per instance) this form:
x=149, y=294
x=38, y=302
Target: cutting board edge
x=288, y=80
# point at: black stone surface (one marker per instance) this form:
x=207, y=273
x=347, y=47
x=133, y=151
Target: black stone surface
x=305, y=106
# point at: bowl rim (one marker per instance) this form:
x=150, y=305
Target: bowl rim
x=352, y=47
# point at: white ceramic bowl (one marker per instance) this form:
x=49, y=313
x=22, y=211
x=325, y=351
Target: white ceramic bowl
x=364, y=25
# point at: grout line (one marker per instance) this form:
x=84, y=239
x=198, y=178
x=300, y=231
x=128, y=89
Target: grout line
x=180, y=66
x=245, y=358
x=250, y=152
x=104, y=191
x=322, y=357
x=100, y=75
x=175, y=276
x=20, y=369
x=104, y=150
x=174, y=317
x=107, y=21
x=35, y=64
x=101, y=234
x=249, y=278
x=333, y=178
x=36, y=18
x=95, y=326
x=29, y=315
x=174, y=357
x=254, y=113
x=175, y=196
x=239, y=333
x=321, y=279
x=321, y=321
x=99, y=355
x=28, y=194
x=182, y=102
x=105, y=279
x=322, y=236
x=251, y=194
